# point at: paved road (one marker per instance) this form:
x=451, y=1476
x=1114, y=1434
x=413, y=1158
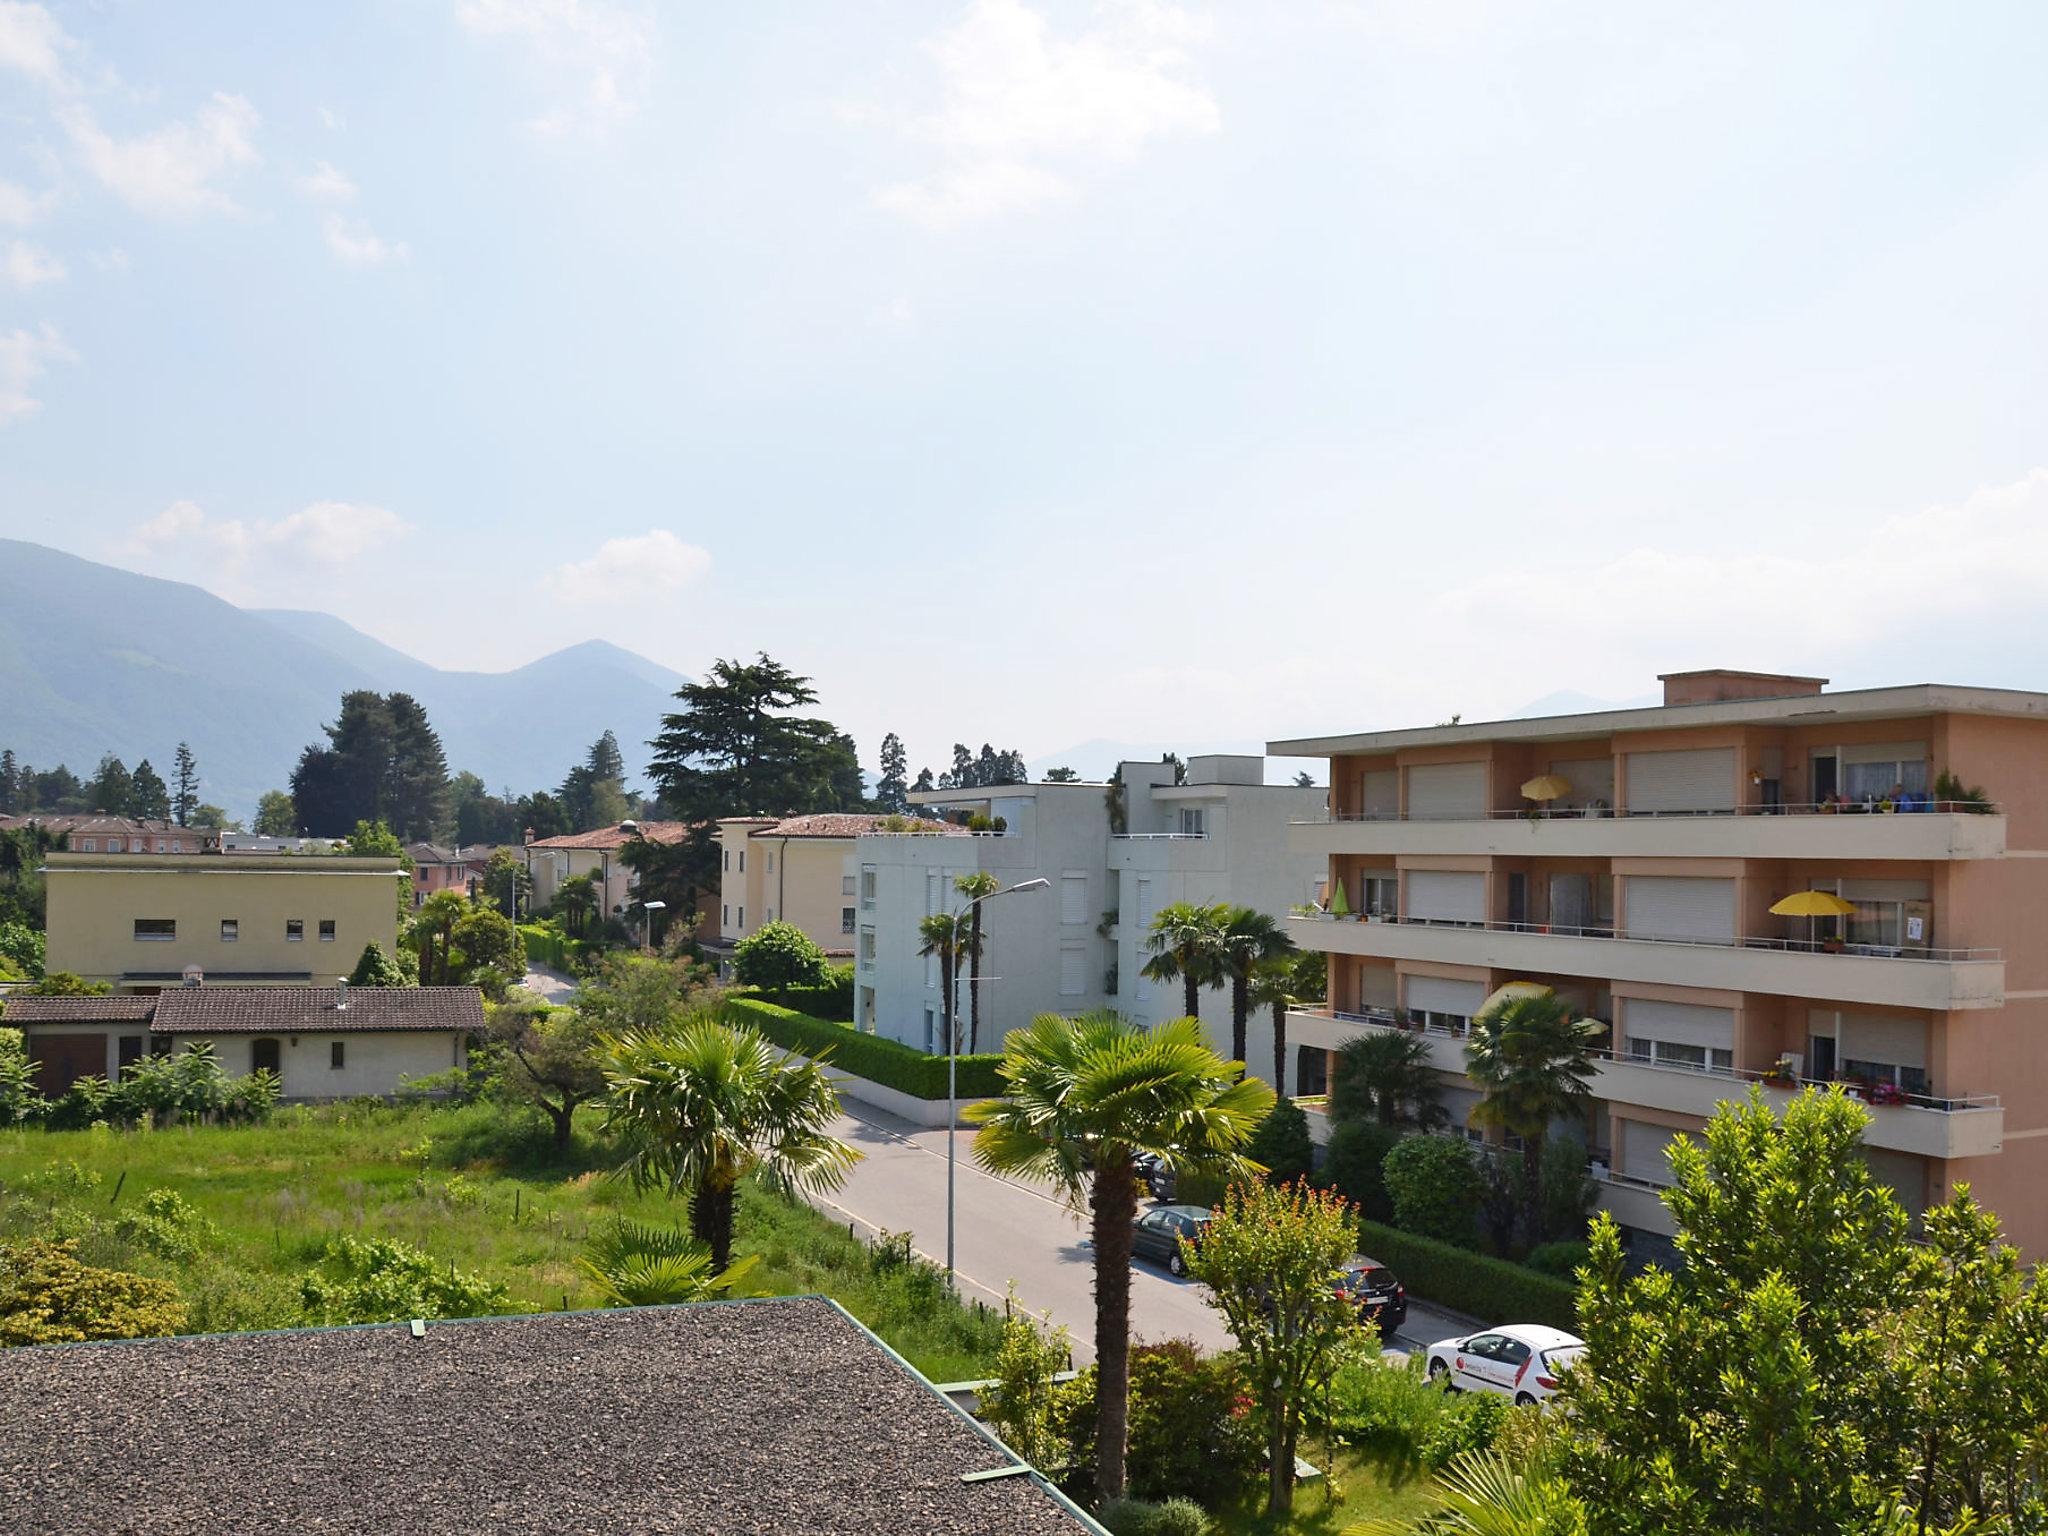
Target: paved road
x=553, y=986
x=1009, y=1231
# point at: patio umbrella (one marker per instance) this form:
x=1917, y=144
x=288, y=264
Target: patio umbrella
x=1508, y=991
x=1339, y=907
x=1814, y=904
x=1549, y=786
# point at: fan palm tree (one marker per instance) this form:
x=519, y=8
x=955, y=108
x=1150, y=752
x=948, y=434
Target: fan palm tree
x=637, y=1264
x=1483, y=1493
x=1533, y=1063
x=1272, y=987
x=1248, y=940
x=945, y=934
x=1186, y=944
x=976, y=888
x=1385, y=1075
x=1083, y=1098
x=700, y=1106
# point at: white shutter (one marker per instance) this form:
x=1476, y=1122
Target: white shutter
x=1668, y=907
x=1447, y=791
x=1376, y=987
x=1885, y=890
x=1381, y=795
x=1873, y=1037
x=1681, y=781
x=1459, y=1103
x=1886, y=752
x=1642, y=1151
x=1904, y=1173
x=1679, y=1023
x=1441, y=896
x=1592, y=778
x=1438, y=994
x=1073, y=970
x=1073, y=898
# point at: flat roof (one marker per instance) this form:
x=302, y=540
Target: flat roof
x=1793, y=709
x=780, y=1415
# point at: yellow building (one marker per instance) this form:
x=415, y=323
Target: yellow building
x=139, y=921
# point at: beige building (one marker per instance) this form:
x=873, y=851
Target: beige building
x=140, y=922
x=552, y=860
x=323, y=1043
x=1638, y=881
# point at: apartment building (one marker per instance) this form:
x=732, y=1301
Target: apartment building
x=552, y=860
x=93, y=832
x=141, y=922
x=795, y=869
x=1631, y=860
x=1079, y=944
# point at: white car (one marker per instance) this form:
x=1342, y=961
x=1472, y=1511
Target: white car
x=1523, y=1361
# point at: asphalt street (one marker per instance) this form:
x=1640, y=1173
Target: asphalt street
x=1012, y=1233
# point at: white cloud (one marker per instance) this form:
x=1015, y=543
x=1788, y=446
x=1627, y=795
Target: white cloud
x=172, y=171
x=655, y=562
x=1024, y=112
x=21, y=207
x=24, y=356
x=112, y=259
x=355, y=244
x=325, y=184
x=33, y=44
x=332, y=120
x=596, y=57
x=27, y=265
x=325, y=533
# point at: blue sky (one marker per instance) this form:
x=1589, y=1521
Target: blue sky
x=1032, y=372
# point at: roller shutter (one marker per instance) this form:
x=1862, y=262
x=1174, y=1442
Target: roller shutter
x=1376, y=987
x=1874, y=1037
x=1642, y=1150
x=1073, y=898
x=1905, y=1173
x=1459, y=1103
x=1592, y=778
x=1665, y=907
x=1381, y=794
x=1441, y=896
x=1679, y=1023
x=1073, y=970
x=1447, y=791
x=1681, y=781
x=1437, y=994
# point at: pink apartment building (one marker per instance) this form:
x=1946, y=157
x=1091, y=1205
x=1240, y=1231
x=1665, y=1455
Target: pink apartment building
x=1638, y=882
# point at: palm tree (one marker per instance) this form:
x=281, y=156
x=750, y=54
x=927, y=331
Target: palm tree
x=637, y=1264
x=1249, y=939
x=1533, y=1063
x=1483, y=1493
x=1186, y=944
x=945, y=934
x=1083, y=1098
x=976, y=888
x=1385, y=1075
x=702, y=1105
x=1273, y=987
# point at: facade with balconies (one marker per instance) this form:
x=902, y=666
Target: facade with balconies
x=1637, y=878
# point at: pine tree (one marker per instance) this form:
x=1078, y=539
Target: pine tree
x=963, y=767
x=185, y=799
x=892, y=790
x=418, y=782
x=605, y=761
x=148, y=797
x=10, y=783
x=110, y=787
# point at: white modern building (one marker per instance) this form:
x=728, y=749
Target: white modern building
x=1079, y=944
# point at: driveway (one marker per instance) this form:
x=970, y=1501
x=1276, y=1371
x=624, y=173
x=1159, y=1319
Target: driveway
x=553, y=986
x=1009, y=1231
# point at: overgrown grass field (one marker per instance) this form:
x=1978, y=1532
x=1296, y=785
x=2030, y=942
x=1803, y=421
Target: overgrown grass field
x=468, y=1186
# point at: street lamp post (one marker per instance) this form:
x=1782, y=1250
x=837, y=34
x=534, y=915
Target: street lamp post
x=952, y=1063
x=648, y=909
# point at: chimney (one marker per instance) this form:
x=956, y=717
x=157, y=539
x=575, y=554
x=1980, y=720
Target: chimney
x=1717, y=685
x=341, y=994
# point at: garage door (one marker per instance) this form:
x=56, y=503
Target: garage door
x=1438, y=994
x=1440, y=896
x=63, y=1059
x=1447, y=791
x=1669, y=782
x=1711, y=1029
x=1666, y=907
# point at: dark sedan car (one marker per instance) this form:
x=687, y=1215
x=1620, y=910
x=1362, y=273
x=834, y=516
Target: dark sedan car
x=1159, y=1231
x=1154, y=1175
x=1381, y=1298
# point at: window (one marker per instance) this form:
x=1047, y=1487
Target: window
x=131, y=1053
x=156, y=930
x=867, y=947
x=326, y=930
x=1672, y=1053
x=92, y=845
x=846, y=885
x=726, y=862
x=336, y=1056
x=1194, y=821
x=1906, y=1079
x=1073, y=898
x=114, y=845
x=725, y=915
x=743, y=916
x=846, y=919
x=743, y=861
x=230, y=929
x=295, y=930
x=771, y=864
x=1073, y=970
x=867, y=885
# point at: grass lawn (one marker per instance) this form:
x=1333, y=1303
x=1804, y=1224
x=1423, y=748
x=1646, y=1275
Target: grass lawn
x=448, y=1181
x=1370, y=1491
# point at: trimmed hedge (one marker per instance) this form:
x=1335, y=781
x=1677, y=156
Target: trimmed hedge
x=831, y=1002
x=1491, y=1290
x=870, y=1056
x=552, y=948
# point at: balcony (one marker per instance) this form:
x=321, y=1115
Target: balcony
x=1940, y=980
x=1166, y=852
x=1786, y=832
x=1943, y=1127
x=1633, y=1203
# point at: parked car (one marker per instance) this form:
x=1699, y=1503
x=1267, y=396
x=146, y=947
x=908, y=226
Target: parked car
x=1381, y=1298
x=1159, y=1231
x=1524, y=1361
x=1156, y=1176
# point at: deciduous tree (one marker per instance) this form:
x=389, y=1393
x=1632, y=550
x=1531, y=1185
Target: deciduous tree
x=148, y=797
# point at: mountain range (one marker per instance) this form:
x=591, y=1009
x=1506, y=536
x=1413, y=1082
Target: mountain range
x=96, y=660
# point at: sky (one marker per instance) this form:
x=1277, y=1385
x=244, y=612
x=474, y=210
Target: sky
x=1030, y=372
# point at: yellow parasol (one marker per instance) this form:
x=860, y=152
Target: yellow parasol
x=1508, y=991
x=1813, y=904
x=1550, y=786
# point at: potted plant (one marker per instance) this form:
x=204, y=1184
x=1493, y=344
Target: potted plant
x=1780, y=1074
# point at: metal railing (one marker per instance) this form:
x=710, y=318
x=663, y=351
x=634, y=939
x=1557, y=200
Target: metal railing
x=1793, y=946
x=1158, y=837
x=1601, y=811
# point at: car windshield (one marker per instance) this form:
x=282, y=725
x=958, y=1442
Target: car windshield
x=1375, y=1278
x=1558, y=1359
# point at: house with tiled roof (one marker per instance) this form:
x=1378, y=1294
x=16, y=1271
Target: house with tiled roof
x=552, y=860
x=323, y=1042
x=798, y=869
x=95, y=832
x=436, y=868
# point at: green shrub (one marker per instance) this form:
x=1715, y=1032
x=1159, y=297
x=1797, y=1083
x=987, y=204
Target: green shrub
x=1127, y=1517
x=22, y=948
x=1282, y=1143
x=1565, y=1190
x=1387, y=1407
x=1179, y=1517
x=1466, y=1423
x=20, y=1103
x=1199, y=1189
x=1435, y=1187
x=548, y=945
x=1351, y=1165
x=48, y=1297
x=168, y=1227
x=1190, y=1428
x=378, y=1281
x=1558, y=1260
x=1446, y=1275
x=879, y=1061
x=778, y=956
x=83, y=1103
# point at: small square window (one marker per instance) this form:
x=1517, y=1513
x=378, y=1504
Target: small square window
x=295, y=930
x=156, y=930
x=230, y=929
x=336, y=1056
x=326, y=930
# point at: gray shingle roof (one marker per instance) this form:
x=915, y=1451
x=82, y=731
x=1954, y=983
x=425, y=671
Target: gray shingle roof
x=763, y=1417
x=277, y=1010
x=16, y=1010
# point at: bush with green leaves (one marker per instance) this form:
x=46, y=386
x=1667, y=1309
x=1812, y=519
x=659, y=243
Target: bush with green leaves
x=67, y=984
x=83, y=1104
x=870, y=1056
x=1352, y=1165
x=1452, y=1275
x=1191, y=1433
x=1467, y=1424
x=48, y=1296
x=1282, y=1143
x=21, y=949
x=21, y=1103
x=1144, y=1517
x=1391, y=1410
x=376, y=1280
x=778, y=956
x=165, y=1225
x=1565, y=1190
x=1023, y=1405
x=1435, y=1186
x=374, y=968
x=1559, y=1260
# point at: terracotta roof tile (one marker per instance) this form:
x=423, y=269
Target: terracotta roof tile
x=617, y=837
x=836, y=824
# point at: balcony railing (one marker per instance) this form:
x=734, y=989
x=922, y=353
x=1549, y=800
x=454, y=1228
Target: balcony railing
x=1790, y=946
x=1158, y=837
x=1600, y=811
